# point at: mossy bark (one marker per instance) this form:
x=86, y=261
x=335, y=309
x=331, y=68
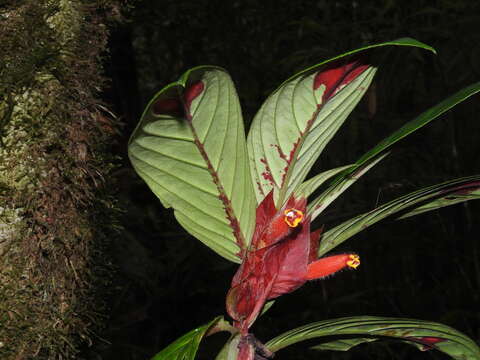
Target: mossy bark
x=55, y=211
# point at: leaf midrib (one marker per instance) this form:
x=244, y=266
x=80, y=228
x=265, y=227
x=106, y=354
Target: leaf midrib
x=229, y=211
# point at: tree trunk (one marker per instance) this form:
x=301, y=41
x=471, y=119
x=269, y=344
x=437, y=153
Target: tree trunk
x=55, y=211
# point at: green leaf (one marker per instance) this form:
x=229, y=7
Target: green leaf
x=406, y=41
x=430, y=198
x=230, y=349
x=342, y=344
x=312, y=184
x=421, y=120
x=298, y=119
x=448, y=200
x=316, y=206
x=267, y=306
x=319, y=204
x=190, y=149
x=416, y=332
x=292, y=128
x=185, y=347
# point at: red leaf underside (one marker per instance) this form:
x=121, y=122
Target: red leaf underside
x=168, y=106
x=338, y=74
x=463, y=189
x=428, y=342
x=192, y=92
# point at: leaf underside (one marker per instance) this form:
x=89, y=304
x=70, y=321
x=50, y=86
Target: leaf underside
x=291, y=130
x=190, y=149
x=425, y=335
x=194, y=157
x=297, y=120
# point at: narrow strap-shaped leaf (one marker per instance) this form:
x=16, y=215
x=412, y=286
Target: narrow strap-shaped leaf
x=185, y=347
x=423, y=200
x=190, y=149
x=422, y=120
x=447, y=200
x=321, y=202
x=312, y=184
x=413, y=125
x=299, y=118
x=342, y=344
x=423, y=334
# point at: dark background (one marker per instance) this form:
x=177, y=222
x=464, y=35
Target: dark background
x=425, y=267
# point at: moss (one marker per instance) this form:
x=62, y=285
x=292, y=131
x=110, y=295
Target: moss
x=54, y=157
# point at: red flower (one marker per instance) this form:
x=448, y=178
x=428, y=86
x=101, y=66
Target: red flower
x=281, y=258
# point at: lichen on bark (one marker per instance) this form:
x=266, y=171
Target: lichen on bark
x=55, y=210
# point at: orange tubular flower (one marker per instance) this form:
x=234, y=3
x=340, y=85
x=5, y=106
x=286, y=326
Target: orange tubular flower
x=281, y=258
x=330, y=265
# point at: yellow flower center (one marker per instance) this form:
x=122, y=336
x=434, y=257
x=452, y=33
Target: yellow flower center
x=354, y=261
x=293, y=217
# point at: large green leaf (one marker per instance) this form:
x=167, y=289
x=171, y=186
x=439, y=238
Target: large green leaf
x=424, y=334
x=430, y=198
x=185, y=347
x=299, y=118
x=413, y=125
x=190, y=149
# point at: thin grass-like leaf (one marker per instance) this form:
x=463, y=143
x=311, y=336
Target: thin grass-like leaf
x=447, y=200
x=421, y=120
x=312, y=184
x=420, y=201
x=342, y=344
x=318, y=205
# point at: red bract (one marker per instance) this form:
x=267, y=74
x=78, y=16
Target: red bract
x=281, y=258
x=338, y=74
x=192, y=92
x=428, y=342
